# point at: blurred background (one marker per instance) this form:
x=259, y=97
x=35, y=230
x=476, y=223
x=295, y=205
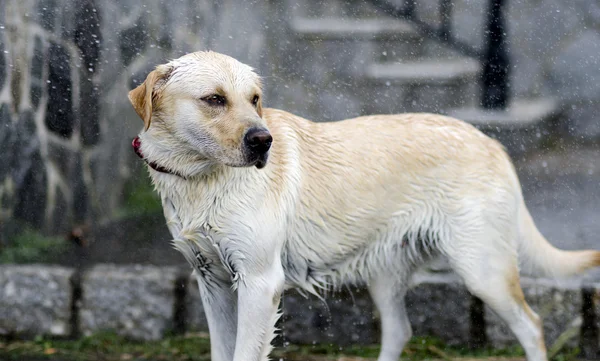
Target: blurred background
x=73, y=193
x=72, y=190
x=67, y=169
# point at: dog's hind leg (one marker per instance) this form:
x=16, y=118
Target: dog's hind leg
x=388, y=293
x=490, y=272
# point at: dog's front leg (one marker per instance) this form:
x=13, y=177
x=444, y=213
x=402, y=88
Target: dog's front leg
x=220, y=306
x=258, y=301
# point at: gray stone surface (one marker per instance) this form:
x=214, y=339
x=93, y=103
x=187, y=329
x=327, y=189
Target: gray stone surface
x=346, y=28
x=140, y=302
x=339, y=102
x=134, y=301
x=521, y=113
x=581, y=120
x=329, y=60
x=346, y=8
x=557, y=303
x=575, y=68
x=385, y=99
x=560, y=186
x=422, y=72
x=439, y=306
x=35, y=300
x=437, y=98
x=418, y=86
x=346, y=318
x=521, y=128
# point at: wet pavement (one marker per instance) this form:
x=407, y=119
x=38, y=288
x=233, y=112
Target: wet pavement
x=562, y=192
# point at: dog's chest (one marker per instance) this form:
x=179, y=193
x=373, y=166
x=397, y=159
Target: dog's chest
x=212, y=229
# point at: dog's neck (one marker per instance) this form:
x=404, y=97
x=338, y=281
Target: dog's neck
x=136, y=144
x=178, y=162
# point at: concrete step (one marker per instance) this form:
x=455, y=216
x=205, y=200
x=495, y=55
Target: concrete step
x=522, y=127
x=346, y=28
x=346, y=8
x=427, y=85
x=347, y=45
x=425, y=71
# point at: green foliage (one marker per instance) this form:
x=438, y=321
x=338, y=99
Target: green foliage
x=419, y=348
x=140, y=196
x=108, y=346
x=196, y=347
x=30, y=246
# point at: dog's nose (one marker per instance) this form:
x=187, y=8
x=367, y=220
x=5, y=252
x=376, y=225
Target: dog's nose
x=258, y=140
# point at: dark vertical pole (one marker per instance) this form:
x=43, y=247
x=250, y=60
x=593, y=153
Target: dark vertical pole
x=446, y=16
x=495, y=62
x=409, y=8
x=588, y=342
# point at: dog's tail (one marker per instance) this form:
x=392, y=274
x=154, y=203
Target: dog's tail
x=540, y=258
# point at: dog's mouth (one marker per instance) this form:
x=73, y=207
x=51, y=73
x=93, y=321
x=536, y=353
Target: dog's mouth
x=137, y=145
x=261, y=161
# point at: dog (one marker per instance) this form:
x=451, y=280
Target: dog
x=259, y=200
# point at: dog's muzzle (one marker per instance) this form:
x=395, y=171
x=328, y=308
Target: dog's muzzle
x=257, y=143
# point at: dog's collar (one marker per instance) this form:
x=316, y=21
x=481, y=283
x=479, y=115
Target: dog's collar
x=136, y=144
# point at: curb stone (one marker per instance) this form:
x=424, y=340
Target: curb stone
x=146, y=302
x=134, y=301
x=439, y=305
x=345, y=318
x=35, y=300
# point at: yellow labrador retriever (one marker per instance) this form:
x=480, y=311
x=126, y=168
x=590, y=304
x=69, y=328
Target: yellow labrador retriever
x=259, y=199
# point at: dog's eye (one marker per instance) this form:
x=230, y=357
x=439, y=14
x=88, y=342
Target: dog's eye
x=215, y=100
x=255, y=100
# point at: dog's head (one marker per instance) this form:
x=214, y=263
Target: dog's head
x=203, y=107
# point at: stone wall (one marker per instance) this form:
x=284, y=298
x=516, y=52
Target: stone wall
x=65, y=69
x=146, y=303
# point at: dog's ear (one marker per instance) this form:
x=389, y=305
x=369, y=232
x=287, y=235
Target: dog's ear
x=143, y=97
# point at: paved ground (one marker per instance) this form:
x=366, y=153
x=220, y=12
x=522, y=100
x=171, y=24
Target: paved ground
x=562, y=191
